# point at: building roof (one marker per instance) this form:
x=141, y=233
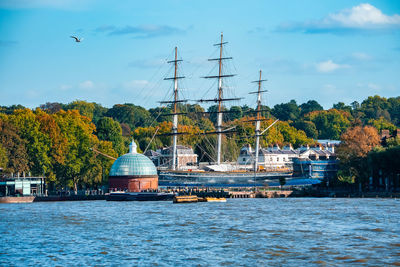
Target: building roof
x=179, y=149
x=133, y=164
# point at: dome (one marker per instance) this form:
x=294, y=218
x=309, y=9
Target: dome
x=133, y=164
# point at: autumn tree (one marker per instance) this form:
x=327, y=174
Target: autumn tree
x=355, y=144
x=15, y=148
x=3, y=157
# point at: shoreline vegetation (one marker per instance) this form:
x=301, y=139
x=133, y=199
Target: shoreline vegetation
x=55, y=139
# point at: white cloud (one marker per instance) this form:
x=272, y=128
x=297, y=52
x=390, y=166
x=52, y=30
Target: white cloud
x=86, y=85
x=361, y=18
x=329, y=66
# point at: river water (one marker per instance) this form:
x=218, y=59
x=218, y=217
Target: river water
x=240, y=232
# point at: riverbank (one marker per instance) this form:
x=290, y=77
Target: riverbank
x=228, y=194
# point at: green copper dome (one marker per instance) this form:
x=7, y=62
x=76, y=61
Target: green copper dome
x=133, y=164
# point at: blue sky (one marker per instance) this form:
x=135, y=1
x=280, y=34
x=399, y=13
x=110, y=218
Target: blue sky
x=330, y=51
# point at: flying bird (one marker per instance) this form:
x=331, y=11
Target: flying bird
x=77, y=39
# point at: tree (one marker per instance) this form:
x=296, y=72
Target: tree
x=235, y=113
x=38, y=143
x=342, y=106
x=10, y=110
x=84, y=108
x=52, y=107
x=310, y=106
x=355, y=145
x=308, y=127
x=213, y=113
x=381, y=124
x=330, y=123
x=78, y=131
x=286, y=112
x=3, y=157
x=110, y=130
x=394, y=110
x=134, y=116
x=375, y=107
x=15, y=147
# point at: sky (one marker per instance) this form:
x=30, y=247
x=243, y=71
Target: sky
x=330, y=51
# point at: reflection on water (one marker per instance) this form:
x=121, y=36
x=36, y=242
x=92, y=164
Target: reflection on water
x=290, y=232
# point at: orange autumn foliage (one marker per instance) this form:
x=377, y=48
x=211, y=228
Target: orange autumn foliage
x=357, y=142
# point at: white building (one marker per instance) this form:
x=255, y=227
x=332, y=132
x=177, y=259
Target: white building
x=275, y=158
x=186, y=158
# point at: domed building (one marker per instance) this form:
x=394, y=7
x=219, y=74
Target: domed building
x=133, y=172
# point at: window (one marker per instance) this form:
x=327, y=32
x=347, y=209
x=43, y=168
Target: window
x=244, y=159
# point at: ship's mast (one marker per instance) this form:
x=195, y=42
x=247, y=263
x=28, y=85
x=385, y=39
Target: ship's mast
x=258, y=119
x=175, y=110
x=220, y=98
x=175, y=116
x=219, y=114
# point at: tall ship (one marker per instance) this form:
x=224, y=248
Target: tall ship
x=218, y=173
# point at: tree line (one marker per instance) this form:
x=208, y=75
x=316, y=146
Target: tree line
x=56, y=139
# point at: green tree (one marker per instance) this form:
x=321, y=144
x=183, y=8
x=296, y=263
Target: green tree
x=330, y=123
x=310, y=106
x=134, y=116
x=78, y=131
x=110, y=130
x=382, y=124
x=342, y=106
x=286, y=112
x=38, y=143
x=84, y=108
x=308, y=127
x=235, y=113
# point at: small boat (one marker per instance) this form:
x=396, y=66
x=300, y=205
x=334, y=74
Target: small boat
x=215, y=199
x=139, y=196
x=185, y=199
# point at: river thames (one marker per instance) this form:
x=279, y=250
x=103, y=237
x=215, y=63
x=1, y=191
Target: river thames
x=244, y=232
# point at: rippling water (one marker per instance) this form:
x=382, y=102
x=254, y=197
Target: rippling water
x=290, y=232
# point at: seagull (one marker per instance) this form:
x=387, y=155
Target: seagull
x=77, y=39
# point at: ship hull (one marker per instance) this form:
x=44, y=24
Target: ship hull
x=218, y=179
x=139, y=196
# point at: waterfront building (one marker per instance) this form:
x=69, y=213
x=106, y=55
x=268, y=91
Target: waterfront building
x=133, y=172
x=185, y=157
x=311, y=162
x=272, y=158
x=21, y=186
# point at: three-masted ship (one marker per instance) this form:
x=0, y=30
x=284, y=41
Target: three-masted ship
x=218, y=173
